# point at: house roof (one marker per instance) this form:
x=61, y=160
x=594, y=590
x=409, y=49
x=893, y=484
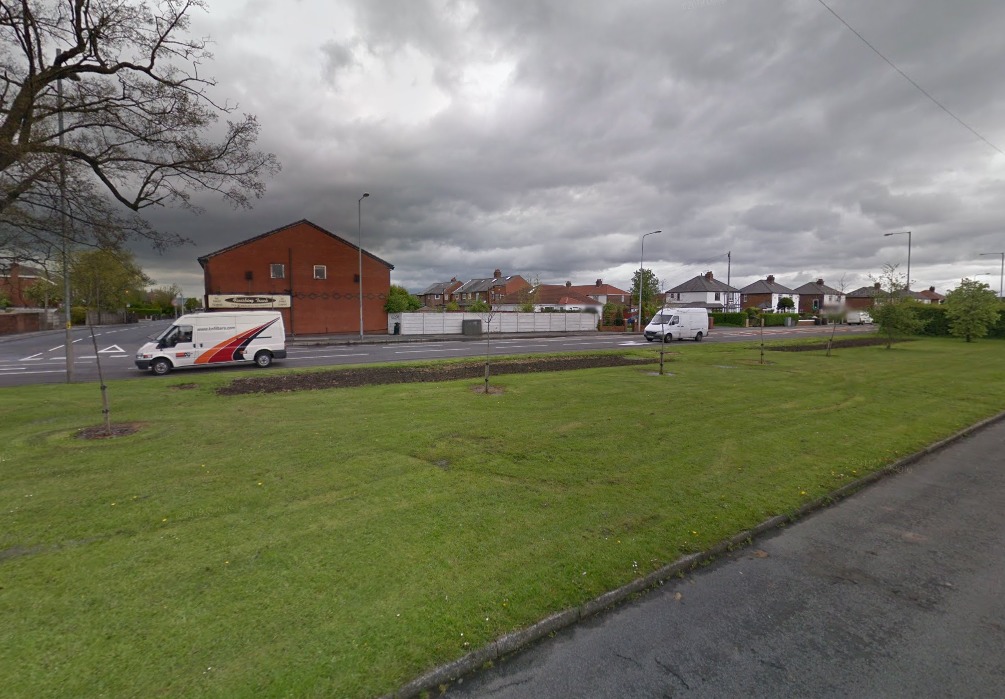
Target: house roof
x=702, y=283
x=817, y=288
x=558, y=294
x=23, y=271
x=931, y=294
x=473, y=286
x=865, y=292
x=766, y=286
x=598, y=289
x=438, y=287
x=204, y=258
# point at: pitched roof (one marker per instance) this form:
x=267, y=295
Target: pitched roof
x=865, y=292
x=702, y=283
x=474, y=286
x=551, y=293
x=766, y=286
x=931, y=294
x=204, y=258
x=817, y=288
x=599, y=289
x=438, y=288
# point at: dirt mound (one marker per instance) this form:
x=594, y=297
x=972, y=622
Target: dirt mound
x=372, y=376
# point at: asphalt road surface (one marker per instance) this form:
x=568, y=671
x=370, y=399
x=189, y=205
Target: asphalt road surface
x=41, y=357
x=898, y=591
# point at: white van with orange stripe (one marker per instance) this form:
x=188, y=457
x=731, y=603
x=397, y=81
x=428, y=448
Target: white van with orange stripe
x=213, y=339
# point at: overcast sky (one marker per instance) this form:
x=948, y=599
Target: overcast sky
x=544, y=137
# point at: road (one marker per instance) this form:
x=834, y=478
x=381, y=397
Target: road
x=41, y=357
x=898, y=591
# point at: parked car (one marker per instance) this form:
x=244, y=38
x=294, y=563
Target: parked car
x=858, y=318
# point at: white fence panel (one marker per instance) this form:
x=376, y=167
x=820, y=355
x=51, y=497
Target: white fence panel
x=500, y=322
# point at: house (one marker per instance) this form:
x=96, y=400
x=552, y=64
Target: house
x=550, y=297
x=599, y=291
x=766, y=293
x=490, y=290
x=308, y=273
x=817, y=296
x=15, y=281
x=930, y=295
x=439, y=294
x=704, y=291
x=863, y=298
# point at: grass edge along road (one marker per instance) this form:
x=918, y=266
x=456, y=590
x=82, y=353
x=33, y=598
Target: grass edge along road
x=342, y=542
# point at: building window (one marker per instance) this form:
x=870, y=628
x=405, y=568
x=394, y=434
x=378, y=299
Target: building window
x=816, y=304
x=320, y=272
x=717, y=298
x=436, y=297
x=277, y=270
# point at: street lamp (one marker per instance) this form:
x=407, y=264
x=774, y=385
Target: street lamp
x=62, y=228
x=359, y=248
x=908, y=234
x=1001, y=276
x=642, y=256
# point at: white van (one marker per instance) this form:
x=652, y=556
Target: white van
x=204, y=339
x=678, y=323
x=858, y=318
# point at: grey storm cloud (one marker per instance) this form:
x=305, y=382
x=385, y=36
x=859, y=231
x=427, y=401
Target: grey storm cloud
x=545, y=137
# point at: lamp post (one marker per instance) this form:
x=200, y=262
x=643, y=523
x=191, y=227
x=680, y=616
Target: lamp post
x=1001, y=276
x=359, y=248
x=62, y=232
x=642, y=256
x=908, y=234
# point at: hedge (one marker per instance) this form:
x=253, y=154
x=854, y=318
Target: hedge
x=732, y=319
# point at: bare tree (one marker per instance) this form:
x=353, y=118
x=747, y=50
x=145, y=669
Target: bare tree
x=136, y=114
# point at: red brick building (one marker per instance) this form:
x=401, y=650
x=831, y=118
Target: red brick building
x=16, y=279
x=308, y=273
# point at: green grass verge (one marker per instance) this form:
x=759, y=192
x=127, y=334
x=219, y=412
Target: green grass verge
x=339, y=543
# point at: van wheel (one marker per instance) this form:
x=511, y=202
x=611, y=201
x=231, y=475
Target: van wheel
x=263, y=359
x=697, y=338
x=668, y=338
x=160, y=366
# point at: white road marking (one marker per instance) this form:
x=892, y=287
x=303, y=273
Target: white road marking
x=324, y=356
x=459, y=349
x=111, y=349
x=32, y=358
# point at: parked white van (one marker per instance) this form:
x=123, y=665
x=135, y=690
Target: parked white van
x=858, y=318
x=206, y=339
x=678, y=323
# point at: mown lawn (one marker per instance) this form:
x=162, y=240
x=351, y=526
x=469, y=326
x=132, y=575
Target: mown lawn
x=341, y=542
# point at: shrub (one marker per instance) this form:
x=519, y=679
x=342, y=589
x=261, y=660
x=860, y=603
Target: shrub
x=729, y=319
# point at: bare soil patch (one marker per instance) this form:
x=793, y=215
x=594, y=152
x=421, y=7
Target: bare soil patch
x=117, y=429
x=372, y=376
x=836, y=344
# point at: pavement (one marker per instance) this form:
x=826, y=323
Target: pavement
x=895, y=592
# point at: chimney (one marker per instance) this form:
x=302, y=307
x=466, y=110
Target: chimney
x=932, y=289
x=568, y=284
x=708, y=276
x=876, y=285
x=820, y=282
x=770, y=279
x=497, y=274
x=453, y=279
x=600, y=282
